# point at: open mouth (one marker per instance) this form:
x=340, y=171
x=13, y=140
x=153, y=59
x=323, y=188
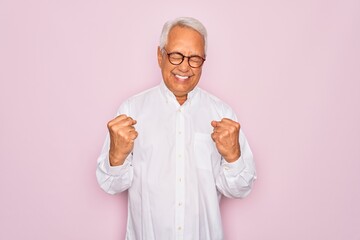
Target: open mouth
x=182, y=78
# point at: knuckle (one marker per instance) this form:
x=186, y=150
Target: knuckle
x=119, y=132
x=127, y=121
x=233, y=129
x=214, y=136
x=221, y=137
x=111, y=126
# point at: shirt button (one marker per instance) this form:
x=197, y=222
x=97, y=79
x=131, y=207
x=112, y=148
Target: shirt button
x=179, y=155
x=226, y=168
x=180, y=203
x=179, y=179
x=179, y=132
x=179, y=228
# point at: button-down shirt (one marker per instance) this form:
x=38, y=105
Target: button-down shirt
x=175, y=176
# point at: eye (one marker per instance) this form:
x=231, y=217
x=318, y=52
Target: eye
x=196, y=59
x=176, y=56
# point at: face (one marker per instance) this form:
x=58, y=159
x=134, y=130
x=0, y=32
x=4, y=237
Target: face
x=181, y=79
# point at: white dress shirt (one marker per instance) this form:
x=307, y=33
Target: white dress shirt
x=175, y=176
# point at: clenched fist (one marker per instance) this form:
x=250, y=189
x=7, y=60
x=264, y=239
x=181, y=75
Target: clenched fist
x=122, y=137
x=226, y=137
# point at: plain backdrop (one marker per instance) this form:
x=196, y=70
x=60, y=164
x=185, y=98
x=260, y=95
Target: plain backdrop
x=290, y=69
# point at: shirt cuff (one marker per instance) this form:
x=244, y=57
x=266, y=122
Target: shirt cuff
x=117, y=170
x=233, y=168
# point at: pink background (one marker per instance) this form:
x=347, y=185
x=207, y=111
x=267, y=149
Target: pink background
x=290, y=69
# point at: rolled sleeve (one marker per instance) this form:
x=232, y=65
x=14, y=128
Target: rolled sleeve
x=117, y=171
x=234, y=168
x=235, y=179
x=113, y=179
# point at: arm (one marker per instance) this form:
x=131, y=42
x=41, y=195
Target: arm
x=113, y=179
x=114, y=171
x=235, y=179
x=237, y=170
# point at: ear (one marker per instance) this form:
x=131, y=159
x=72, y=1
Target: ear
x=159, y=56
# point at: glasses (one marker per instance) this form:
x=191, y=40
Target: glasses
x=177, y=58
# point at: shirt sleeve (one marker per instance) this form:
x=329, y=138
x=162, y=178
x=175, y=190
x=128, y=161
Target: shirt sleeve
x=114, y=179
x=235, y=179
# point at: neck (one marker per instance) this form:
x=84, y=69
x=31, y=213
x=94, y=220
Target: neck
x=181, y=99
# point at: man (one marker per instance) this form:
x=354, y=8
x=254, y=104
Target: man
x=176, y=148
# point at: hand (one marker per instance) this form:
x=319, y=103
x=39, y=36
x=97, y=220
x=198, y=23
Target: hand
x=226, y=137
x=122, y=137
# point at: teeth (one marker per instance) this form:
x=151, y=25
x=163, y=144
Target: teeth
x=182, y=77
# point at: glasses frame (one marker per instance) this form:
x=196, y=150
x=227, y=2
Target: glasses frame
x=183, y=57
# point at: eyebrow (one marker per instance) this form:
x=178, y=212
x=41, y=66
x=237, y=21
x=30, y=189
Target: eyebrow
x=191, y=55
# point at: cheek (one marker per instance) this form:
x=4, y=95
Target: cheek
x=198, y=74
x=167, y=69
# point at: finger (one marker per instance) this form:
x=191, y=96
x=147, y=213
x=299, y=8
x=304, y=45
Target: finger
x=214, y=123
x=133, y=135
x=131, y=131
x=128, y=121
x=122, y=130
x=230, y=133
x=215, y=136
x=133, y=122
x=124, y=118
x=223, y=122
x=226, y=122
x=124, y=126
x=117, y=119
x=121, y=117
x=220, y=124
x=221, y=129
x=131, y=128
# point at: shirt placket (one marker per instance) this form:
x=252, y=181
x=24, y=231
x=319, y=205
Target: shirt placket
x=180, y=183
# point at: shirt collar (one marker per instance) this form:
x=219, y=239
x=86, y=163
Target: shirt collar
x=170, y=96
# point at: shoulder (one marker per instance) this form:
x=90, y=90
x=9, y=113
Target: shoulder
x=208, y=99
x=144, y=94
x=139, y=100
x=151, y=93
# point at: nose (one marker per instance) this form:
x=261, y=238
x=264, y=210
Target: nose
x=184, y=66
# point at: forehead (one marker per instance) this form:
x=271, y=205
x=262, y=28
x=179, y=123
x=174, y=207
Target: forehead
x=185, y=40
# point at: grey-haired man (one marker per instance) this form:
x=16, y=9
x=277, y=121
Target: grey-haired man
x=176, y=148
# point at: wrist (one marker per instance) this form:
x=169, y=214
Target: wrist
x=233, y=157
x=116, y=159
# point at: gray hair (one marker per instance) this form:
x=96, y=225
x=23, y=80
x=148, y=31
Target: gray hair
x=182, y=22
